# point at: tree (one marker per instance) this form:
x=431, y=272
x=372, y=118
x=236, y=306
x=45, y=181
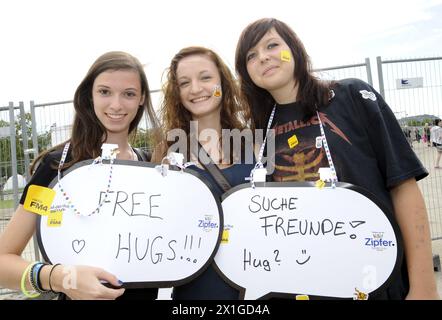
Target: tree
x=143, y=139
x=43, y=141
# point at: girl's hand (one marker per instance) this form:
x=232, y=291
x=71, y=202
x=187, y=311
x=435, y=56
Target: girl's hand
x=85, y=283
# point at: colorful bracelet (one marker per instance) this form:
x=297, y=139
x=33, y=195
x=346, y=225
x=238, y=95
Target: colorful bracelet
x=31, y=276
x=23, y=282
x=34, y=275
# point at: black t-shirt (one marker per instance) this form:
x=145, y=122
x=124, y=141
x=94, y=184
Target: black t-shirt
x=43, y=176
x=366, y=144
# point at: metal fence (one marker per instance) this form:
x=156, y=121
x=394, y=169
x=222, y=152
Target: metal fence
x=359, y=70
x=413, y=89
x=50, y=124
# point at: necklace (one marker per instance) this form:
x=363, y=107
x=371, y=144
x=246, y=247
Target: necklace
x=65, y=195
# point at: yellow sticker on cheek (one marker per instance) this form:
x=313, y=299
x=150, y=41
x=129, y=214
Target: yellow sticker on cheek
x=285, y=55
x=293, y=141
x=39, y=199
x=55, y=218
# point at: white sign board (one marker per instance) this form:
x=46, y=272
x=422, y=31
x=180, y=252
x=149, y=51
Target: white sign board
x=294, y=238
x=150, y=231
x=409, y=83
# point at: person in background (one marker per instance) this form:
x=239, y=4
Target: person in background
x=427, y=134
x=436, y=140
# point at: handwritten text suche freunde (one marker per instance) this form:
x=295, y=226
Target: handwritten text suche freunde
x=280, y=216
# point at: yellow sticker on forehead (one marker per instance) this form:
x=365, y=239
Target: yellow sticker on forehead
x=285, y=55
x=39, y=199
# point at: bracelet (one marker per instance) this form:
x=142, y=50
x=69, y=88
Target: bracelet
x=37, y=281
x=31, y=276
x=34, y=277
x=23, y=282
x=50, y=274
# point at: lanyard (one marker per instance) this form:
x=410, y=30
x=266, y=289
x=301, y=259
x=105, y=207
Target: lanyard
x=334, y=178
x=261, y=150
x=259, y=164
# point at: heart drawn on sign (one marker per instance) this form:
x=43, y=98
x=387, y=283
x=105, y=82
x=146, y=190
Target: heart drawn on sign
x=78, y=245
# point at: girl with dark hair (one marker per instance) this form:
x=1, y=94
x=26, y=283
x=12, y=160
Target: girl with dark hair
x=350, y=119
x=109, y=104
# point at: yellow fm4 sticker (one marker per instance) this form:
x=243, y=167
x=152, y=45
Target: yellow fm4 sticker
x=39, y=199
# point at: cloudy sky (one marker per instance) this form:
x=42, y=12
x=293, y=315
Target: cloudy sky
x=47, y=45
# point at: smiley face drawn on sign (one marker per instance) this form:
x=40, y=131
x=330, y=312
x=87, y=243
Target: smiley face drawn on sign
x=303, y=260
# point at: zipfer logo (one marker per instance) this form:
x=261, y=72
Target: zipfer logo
x=207, y=223
x=377, y=242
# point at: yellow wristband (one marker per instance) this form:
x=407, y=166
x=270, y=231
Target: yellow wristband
x=23, y=282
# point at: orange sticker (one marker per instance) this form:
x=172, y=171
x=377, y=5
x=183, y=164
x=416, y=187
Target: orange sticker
x=217, y=91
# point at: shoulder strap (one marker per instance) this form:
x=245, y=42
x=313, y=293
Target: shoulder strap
x=144, y=155
x=213, y=169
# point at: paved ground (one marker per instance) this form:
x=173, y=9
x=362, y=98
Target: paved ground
x=431, y=188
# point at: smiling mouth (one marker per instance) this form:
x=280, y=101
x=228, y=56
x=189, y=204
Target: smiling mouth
x=115, y=116
x=268, y=70
x=200, y=99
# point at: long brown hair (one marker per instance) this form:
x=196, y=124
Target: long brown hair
x=311, y=91
x=88, y=134
x=176, y=116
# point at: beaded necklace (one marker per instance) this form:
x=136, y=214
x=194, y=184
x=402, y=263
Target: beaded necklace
x=67, y=198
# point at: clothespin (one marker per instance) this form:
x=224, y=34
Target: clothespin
x=109, y=151
x=176, y=159
x=258, y=174
x=162, y=168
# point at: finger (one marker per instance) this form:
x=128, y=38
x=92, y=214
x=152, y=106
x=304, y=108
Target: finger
x=110, y=278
